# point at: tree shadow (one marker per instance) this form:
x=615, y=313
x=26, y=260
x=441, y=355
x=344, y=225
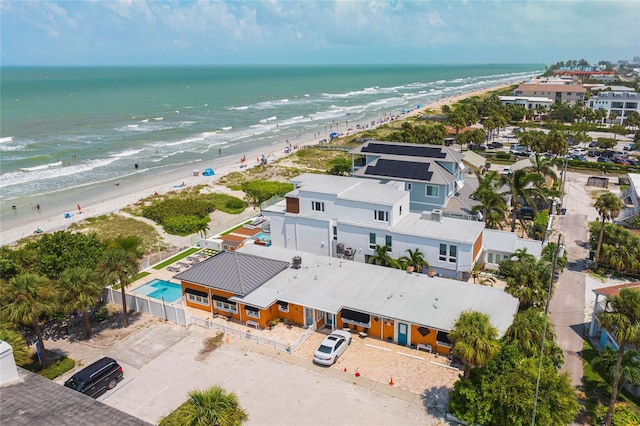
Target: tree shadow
x=435, y=401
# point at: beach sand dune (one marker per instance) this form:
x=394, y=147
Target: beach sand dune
x=114, y=197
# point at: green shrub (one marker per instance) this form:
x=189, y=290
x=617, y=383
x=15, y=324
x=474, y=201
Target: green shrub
x=503, y=155
x=101, y=313
x=182, y=224
x=60, y=367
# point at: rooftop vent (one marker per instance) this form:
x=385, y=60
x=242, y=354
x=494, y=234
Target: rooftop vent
x=296, y=262
x=436, y=215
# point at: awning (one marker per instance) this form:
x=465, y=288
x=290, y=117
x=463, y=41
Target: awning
x=196, y=292
x=252, y=309
x=283, y=305
x=355, y=317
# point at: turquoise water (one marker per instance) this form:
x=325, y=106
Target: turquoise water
x=157, y=289
x=76, y=128
x=263, y=236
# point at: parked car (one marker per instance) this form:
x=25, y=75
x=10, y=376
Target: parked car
x=602, y=159
x=593, y=153
x=525, y=213
x=593, y=144
x=621, y=160
x=517, y=130
x=515, y=149
x=578, y=157
x=477, y=147
x=628, y=147
x=632, y=161
x=97, y=378
x=332, y=347
x=495, y=145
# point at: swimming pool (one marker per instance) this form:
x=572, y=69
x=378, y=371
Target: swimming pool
x=157, y=289
x=262, y=236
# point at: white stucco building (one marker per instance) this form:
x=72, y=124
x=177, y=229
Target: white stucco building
x=622, y=104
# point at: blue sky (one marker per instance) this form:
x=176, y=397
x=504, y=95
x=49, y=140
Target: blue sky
x=139, y=32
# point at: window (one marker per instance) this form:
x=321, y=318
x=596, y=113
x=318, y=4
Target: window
x=252, y=312
x=372, y=240
x=490, y=257
x=400, y=213
x=409, y=186
x=381, y=215
x=443, y=252
x=617, y=104
x=227, y=306
x=283, y=306
x=453, y=253
x=335, y=233
x=318, y=314
x=317, y=206
x=387, y=240
x=432, y=191
x=200, y=300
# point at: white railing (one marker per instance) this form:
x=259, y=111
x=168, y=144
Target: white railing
x=241, y=333
x=303, y=338
x=158, y=309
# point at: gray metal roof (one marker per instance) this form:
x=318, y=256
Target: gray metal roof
x=232, y=271
x=508, y=242
x=330, y=284
x=34, y=400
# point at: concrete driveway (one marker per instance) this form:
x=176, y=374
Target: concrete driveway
x=162, y=364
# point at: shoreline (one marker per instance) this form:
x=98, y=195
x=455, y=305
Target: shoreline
x=111, y=197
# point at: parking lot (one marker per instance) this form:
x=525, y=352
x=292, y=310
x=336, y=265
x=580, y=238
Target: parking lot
x=162, y=363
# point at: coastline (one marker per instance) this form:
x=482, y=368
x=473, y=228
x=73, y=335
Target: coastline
x=111, y=197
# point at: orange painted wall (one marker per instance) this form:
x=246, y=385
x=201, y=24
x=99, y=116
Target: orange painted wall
x=228, y=295
x=416, y=337
x=186, y=285
x=477, y=246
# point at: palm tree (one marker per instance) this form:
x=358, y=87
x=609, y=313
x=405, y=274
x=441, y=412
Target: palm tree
x=382, y=257
x=608, y=205
x=478, y=278
x=415, y=259
x=493, y=206
x=522, y=185
x=543, y=166
x=203, y=228
x=213, y=406
x=28, y=297
x=622, y=321
x=474, y=340
x=81, y=291
x=118, y=267
x=21, y=353
x=629, y=369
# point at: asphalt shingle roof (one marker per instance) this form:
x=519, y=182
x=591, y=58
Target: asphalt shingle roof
x=237, y=273
x=34, y=400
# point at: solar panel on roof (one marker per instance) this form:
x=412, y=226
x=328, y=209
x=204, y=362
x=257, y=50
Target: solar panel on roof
x=408, y=150
x=400, y=169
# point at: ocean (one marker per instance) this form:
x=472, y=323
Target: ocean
x=65, y=129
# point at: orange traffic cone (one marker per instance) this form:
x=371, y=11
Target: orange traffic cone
x=345, y=369
x=357, y=373
x=391, y=381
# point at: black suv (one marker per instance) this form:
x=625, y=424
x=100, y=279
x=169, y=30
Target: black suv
x=97, y=378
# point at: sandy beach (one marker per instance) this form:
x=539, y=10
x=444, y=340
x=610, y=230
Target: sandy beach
x=111, y=197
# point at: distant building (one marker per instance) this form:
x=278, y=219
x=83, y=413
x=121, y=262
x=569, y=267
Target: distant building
x=559, y=90
x=636, y=59
x=587, y=74
x=527, y=101
x=622, y=104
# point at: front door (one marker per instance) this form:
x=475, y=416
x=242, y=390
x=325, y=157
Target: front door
x=403, y=333
x=308, y=317
x=328, y=319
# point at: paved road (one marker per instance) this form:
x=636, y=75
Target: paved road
x=162, y=365
x=567, y=308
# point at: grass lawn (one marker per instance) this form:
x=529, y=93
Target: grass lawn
x=56, y=368
x=175, y=258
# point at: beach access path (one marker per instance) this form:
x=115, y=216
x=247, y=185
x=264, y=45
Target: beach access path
x=113, y=198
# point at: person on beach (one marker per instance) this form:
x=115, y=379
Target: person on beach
x=136, y=166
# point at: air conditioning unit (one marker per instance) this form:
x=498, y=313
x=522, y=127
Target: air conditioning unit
x=436, y=215
x=340, y=248
x=348, y=252
x=296, y=262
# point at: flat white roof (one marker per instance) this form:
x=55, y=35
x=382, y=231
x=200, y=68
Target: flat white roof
x=508, y=242
x=447, y=229
x=330, y=284
x=348, y=188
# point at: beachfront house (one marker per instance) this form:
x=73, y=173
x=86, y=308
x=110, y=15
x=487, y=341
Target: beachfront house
x=529, y=102
x=341, y=216
x=258, y=286
x=559, y=90
x=500, y=245
x=631, y=198
x=431, y=174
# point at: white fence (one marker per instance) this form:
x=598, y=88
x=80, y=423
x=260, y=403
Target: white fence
x=177, y=315
x=146, y=305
